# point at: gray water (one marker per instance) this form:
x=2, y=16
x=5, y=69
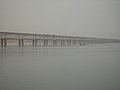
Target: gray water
x=91, y=67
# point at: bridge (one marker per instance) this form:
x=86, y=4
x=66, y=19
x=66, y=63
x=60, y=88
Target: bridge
x=46, y=39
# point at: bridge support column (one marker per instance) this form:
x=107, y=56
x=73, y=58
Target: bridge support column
x=19, y=42
x=54, y=42
x=45, y=42
x=62, y=42
x=79, y=42
x=35, y=43
x=5, y=42
x=2, y=42
x=22, y=42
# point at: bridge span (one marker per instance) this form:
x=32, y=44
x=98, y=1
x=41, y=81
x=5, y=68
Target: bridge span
x=46, y=39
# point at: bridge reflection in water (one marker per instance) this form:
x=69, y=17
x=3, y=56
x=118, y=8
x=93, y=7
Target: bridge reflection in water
x=46, y=39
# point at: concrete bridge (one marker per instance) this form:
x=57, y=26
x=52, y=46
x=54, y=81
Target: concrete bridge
x=46, y=39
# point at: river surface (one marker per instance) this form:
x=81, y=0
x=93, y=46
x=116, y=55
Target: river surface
x=91, y=67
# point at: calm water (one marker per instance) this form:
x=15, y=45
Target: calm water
x=92, y=67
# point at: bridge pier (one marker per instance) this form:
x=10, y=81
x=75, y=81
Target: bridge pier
x=19, y=42
x=45, y=42
x=5, y=42
x=2, y=42
x=35, y=42
x=22, y=42
x=54, y=42
x=62, y=42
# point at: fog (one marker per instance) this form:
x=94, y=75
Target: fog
x=94, y=18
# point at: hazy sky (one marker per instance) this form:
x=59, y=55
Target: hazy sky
x=96, y=18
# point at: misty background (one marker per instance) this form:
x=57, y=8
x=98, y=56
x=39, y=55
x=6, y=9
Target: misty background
x=93, y=18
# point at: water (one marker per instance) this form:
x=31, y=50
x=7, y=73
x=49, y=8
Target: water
x=92, y=67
